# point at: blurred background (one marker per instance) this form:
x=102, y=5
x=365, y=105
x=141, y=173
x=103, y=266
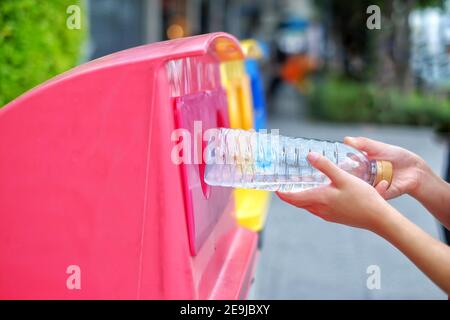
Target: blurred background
x=326, y=75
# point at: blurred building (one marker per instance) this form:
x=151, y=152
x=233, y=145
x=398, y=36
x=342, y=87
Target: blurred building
x=431, y=45
x=118, y=24
x=286, y=27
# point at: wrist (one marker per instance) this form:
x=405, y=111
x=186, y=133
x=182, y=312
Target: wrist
x=427, y=184
x=424, y=177
x=386, y=222
x=381, y=216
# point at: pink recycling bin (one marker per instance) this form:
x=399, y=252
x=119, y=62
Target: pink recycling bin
x=92, y=205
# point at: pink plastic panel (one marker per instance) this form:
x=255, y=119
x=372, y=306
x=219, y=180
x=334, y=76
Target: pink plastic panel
x=204, y=204
x=73, y=160
x=200, y=103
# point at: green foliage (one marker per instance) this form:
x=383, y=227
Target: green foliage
x=35, y=43
x=337, y=99
x=430, y=3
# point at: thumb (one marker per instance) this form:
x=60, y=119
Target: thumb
x=382, y=187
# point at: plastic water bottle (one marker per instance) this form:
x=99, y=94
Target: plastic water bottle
x=261, y=160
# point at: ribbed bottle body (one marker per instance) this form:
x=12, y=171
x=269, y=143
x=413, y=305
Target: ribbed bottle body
x=258, y=160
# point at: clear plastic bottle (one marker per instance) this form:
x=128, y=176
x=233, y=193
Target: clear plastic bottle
x=259, y=160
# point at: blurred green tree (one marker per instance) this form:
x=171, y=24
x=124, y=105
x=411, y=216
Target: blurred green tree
x=36, y=44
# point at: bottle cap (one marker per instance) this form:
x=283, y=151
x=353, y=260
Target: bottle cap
x=384, y=172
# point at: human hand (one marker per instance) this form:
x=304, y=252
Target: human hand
x=408, y=168
x=347, y=200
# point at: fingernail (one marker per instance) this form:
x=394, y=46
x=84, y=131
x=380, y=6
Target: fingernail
x=350, y=139
x=354, y=142
x=313, y=156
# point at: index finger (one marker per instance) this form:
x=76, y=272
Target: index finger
x=332, y=171
x=369, y=146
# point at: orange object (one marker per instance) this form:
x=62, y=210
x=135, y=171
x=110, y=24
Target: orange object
x=297, y=67
x=384, y=172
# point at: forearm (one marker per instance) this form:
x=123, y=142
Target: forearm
x=428, y=254
x=434, y=194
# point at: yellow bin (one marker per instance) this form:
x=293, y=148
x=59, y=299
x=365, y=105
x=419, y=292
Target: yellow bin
x=251, y=205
